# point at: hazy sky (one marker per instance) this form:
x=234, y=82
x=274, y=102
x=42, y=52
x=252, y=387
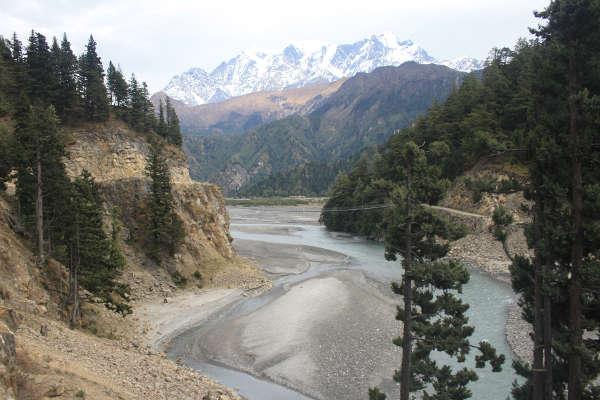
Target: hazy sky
x=157, y=39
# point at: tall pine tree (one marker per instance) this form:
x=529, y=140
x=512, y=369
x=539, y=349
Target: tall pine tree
x=93, y=90
x=173, y=129
x=433, y=317
x=164, y=227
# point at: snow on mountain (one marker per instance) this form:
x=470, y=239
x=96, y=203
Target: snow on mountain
x=299, y=64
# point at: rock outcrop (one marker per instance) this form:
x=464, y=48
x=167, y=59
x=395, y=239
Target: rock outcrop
x=116, y=157
x=113, y=151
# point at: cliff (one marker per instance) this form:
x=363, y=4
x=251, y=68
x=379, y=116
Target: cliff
x=115, y=157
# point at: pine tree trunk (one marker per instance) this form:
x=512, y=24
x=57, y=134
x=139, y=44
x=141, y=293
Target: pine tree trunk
x=39, y=210
x=74, y=278
x=407, y=334
x=547, y=348
x=575, y=331
x=538, y=326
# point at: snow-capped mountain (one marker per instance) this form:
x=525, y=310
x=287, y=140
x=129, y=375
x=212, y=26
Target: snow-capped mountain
x=300, y=64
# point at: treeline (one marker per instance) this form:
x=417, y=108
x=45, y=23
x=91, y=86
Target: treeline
x=43, y=90
x=537, y=106
x=41, y=74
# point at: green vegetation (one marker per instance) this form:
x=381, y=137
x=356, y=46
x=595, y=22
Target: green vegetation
x=502, y=218
x=482, y=118
x=163, y=229
x=490, y=184
x=310, y=179
x=43, y=76
x=433, y=317
x=178, y=279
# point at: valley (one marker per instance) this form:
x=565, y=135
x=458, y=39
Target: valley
x=364, y=111
x=195, y=204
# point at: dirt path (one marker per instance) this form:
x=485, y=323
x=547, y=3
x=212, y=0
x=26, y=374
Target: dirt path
x=456, y=212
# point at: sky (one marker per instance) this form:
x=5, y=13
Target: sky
x=158, y=39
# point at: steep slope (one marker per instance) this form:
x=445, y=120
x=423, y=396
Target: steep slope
x=239, y=114
x=115, y=156
x=364, y=111
x=105, y=359
x=300, y=64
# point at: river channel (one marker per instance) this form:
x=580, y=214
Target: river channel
x=325, y=329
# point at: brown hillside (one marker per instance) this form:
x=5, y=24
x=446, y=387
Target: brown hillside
x=241, y=113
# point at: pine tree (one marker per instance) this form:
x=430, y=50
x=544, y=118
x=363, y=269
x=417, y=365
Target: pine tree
x=149, y=118
x=164, y=227
x=93, y=90
x=173, y=129
x=560, y=301
x=118, y=90
x=136, y=106
x=433, y=317
x=40, y=169
x=67, y=102
x=161, y=129
x=93, y=259
x=40, y=78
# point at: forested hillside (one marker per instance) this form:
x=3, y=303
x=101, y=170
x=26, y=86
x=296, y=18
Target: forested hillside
x=536, y=109
x=363, y=112
x=310, y=179
x=485, y=117
x=46, y=92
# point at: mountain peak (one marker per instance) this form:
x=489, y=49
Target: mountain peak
x=298, y=64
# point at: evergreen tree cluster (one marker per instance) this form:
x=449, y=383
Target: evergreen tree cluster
x=163, y=232
x=77, y=87
x=486, y=116
x=63, y=217
x=537, y=106
x=44, y=88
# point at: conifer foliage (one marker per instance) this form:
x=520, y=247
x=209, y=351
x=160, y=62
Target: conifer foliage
x=76, y=87
x=93, y=90
x=164, y=228
x=93, y=259
x=433, y=317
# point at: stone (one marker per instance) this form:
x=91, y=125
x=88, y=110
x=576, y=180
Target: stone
x=56, y=390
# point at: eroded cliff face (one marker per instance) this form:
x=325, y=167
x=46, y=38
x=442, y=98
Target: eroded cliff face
x=115, y=157
x=113, y=151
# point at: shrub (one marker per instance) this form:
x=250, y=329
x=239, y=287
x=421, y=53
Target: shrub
x=178, y=279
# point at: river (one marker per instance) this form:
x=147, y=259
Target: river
x=325, y=329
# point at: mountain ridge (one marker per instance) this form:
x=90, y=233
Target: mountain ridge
x=241, y=113
x=363, y=112
x=300, y=64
